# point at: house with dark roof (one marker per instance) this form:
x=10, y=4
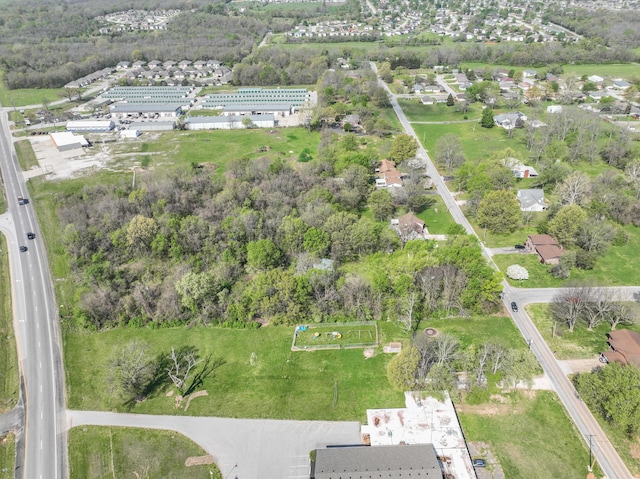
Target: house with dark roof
x=624, y=347
x=546, y=247
x=381, y=462
x=411, y=226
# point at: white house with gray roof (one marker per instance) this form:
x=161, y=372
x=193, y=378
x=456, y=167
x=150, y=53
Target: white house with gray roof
x=532, y=200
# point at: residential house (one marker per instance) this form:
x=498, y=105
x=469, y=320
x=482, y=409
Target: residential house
x=529, y=73
x=519, y=169
x=388, y=176
x=532, y=200
x=427, y=100
x=389, y=462
x=411, y=227
x=546, y=247
x=597, y=95
x=122, y=65
x=595, y=79
x=624, y=348
x=508, y=121
x=621, y=84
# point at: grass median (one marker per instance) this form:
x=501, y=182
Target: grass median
x=9, y=374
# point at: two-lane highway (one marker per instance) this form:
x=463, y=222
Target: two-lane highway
x=37, y=329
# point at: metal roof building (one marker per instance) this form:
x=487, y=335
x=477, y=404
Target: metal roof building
x=385, y=462
x=258, y=96
x=229, y=122
x=90, y=125
x=145, y=109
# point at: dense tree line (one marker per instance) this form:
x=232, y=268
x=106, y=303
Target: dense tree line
x=188, y=247
x=609, y=27
x=47, y=44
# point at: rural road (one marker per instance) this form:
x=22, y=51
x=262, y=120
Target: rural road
x=606, y=455
x=35, y=326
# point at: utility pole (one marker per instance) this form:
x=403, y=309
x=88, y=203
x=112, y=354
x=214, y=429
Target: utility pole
x=590, y=466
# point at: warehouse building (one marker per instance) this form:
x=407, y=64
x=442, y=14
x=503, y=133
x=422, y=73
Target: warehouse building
x=145, y=110
x=90, y=125
x=295, y=97
x=139, y=94
x=275, y=109
x=230, y=122
x=67, y=141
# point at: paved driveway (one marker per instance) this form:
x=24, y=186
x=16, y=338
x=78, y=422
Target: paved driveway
x=242, y=448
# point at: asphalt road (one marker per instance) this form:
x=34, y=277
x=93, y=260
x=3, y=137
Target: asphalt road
x=36, y=327
x=604, y=452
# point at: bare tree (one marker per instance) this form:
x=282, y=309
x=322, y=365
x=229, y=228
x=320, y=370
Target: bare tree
x=497, y=355
x=408, y=305
x=132, y=370
x=569, y=305
x=621, y=313
x=482, y=358
x=574, y=189
x=449, y=152
x=182, y=364
x=599, y=306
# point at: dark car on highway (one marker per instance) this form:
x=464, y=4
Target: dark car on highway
x=31, y=235
x=23, y=249
x=514, y=307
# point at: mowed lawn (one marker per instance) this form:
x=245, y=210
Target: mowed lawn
x=478, y=143
x=617, y=267
x=416, y=111
x=531, y=436
x=7, y=456
x=28, y=96
x=280, y=384
x=579, y=344
x=108, y=452
x=9, y=373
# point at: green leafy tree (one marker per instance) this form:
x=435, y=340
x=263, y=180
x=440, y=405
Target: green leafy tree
x=487, y=118
x=140, y=232
x=316, y=241
x=613, y=392
x=565, y=224
x=499, y=212
x=404, y=147
x=384, y=72
x=381, y=204
x=450, y=100
x=402, y=369
x=291, y=233
x=263, y=255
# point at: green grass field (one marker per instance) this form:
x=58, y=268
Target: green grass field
x=7, y=456
x=339, y=335
x=26, y=155
x=281, y=384
x=108, y=452
x=28, y=96
x=9, y=374
x=221, y=147
x=478, y=143
x=532, y=437
x=416, y=111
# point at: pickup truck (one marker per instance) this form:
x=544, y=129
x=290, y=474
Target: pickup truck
x=22, y=201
